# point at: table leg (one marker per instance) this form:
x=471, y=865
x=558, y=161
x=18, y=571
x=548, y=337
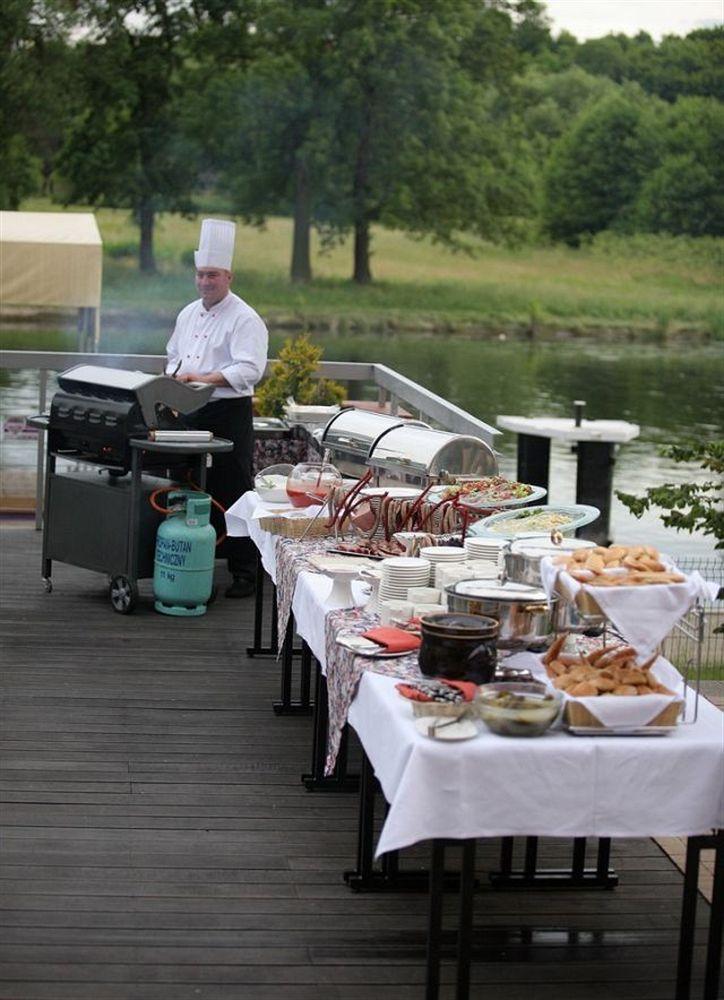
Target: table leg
x=575, y=877
x=687, y=926
x=257, y=649
x=687, y=929
x=388, y=877
x=286, y=706
x=434, y=920
x=716, y=923
x=465, y=924
x=316, y=780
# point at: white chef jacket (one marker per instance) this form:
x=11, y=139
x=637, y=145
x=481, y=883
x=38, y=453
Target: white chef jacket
x=230, y=338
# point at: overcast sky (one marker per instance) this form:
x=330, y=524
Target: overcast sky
x=593, y=18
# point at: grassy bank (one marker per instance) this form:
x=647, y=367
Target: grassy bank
x=648, y=288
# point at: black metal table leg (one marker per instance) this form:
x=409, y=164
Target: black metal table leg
x=575, y=877
x=687, y=929
x=316, y=780
x=257, y=648
x=687, y=926
x=388, y=877
x=434, y=920
x=465, y=923
x=716, y=923
x=286, y=705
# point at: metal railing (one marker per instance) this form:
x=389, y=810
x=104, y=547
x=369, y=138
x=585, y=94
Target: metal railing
x=390, y=385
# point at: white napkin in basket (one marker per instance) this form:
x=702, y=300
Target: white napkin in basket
x=645, y=615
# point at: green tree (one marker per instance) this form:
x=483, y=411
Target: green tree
x=597, y=167
x=418, y=146
x=36, y=94
x=131, y=144
x=549, y=102
x=275, y=158
x=684, y=195
x=688, y=506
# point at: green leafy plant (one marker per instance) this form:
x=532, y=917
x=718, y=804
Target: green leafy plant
x=293, y=376
x=688, y=506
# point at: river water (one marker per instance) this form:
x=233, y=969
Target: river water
x=674, y=394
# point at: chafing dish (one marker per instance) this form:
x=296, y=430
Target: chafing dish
x=523, y=612
x=351, y=433
x=420, y=456
x=521, y=561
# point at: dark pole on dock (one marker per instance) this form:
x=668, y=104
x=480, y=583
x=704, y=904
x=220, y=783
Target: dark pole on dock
x=594, y=486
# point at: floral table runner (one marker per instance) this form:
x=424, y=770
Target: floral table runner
x=292, y=558
x=344, y=669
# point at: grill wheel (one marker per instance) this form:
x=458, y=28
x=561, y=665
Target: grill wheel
x=124, y=594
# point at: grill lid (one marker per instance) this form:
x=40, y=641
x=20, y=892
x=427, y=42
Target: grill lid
x=150, y=391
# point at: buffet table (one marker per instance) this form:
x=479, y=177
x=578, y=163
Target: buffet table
x=557, y=785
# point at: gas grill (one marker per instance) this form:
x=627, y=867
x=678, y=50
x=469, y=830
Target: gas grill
x=97, y=412
x=95, y=514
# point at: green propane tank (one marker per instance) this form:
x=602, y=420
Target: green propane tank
x=183, y=569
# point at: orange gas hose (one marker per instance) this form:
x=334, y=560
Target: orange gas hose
x=169, y=489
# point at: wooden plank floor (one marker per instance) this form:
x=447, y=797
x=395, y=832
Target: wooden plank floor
x=158, y=845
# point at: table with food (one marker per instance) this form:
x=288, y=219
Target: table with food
x=462, y=633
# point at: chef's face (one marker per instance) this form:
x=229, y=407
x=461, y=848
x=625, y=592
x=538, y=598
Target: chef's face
x=213, y=284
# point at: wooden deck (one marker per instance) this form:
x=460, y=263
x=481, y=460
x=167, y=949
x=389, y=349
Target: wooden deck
x=158, y=845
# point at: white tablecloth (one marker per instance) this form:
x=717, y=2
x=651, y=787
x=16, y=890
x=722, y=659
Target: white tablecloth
x=555, y=785
x=240, y=523
x=310, y=603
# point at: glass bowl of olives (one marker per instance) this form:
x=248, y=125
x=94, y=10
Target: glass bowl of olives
x=516, y=709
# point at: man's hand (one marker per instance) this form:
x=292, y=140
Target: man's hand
x=213, y=378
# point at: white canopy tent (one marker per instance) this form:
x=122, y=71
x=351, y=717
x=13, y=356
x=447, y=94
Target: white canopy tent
x=53, y=259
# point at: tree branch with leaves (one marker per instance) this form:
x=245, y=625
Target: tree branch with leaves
x=688, y=506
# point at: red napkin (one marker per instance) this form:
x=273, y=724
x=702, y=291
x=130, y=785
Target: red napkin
x=395, y=640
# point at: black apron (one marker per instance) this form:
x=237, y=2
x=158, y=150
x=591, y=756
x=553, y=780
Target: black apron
x=231, y=473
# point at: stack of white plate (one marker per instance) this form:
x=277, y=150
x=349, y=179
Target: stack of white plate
x=399, y=573
x=484, y=548
x=443, y=555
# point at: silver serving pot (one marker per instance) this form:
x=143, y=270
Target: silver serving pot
x=521, y=561
x=523, y=612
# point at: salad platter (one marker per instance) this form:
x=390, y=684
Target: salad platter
x=536, y=521
x=493, y=491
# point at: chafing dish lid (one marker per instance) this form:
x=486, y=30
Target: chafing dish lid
x=540, y=547
x=431, y=451
x=488, y=590
x=357, y=429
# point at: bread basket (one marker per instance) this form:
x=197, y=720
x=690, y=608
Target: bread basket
x=295, y=527
x=576, y=714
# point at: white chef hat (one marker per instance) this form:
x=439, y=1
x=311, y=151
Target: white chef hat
x=216, y=244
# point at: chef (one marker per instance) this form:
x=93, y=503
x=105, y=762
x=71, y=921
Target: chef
x=221, y=340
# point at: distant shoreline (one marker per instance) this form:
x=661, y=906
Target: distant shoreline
x=383, y=324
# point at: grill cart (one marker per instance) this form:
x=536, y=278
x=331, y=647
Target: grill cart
x=97, y=514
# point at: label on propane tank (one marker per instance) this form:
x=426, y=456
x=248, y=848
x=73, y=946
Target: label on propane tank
x=172, y=551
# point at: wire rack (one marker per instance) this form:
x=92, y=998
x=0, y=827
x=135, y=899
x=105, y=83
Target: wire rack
x=694, y=645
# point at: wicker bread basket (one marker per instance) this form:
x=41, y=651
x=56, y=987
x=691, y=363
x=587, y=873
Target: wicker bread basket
x=576, y=714
x=440, y=708
x=295, y=527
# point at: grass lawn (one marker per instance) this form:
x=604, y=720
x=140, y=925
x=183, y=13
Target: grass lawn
x=642, y=286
